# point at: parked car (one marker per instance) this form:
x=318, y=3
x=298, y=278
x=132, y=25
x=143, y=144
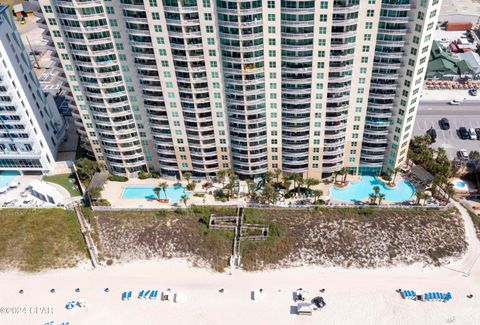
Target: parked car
x=477, y=131
x=444, y=124
x=463, y=133
x=432, y=133
x=462, y=154
x=473, y=92
x=472, y=134
x=455, y=102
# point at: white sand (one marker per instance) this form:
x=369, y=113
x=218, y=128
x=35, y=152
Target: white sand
x=352, y=296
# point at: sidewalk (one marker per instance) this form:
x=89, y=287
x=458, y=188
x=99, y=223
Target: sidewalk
x=446, y=95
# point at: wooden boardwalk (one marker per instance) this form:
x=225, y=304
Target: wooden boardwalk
x=85, y=228
x=242, y=231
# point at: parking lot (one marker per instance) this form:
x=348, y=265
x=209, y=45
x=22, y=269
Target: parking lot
x=466, y=115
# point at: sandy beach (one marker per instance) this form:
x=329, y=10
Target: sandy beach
x=353, y=296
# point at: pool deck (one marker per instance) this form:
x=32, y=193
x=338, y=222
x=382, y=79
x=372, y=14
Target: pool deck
x=113, y=193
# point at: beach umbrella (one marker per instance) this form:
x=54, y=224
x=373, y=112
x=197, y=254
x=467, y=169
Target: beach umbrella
x=70, y=305
x=77, y=290
x=106, y=290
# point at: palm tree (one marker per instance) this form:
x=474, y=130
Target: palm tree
x=232, y=181
x=396, y=170
x=251, y=187
x=419, y=196
x=222, y=174
x=372, y=197
x=336, y=173
x=267, y=177
x=157, y=191
x=184, y=199
x=164, y=186
x=381, y=197
x=269, y=194
x=376, y=190
x=450, y=191
x=287, y=183
x=187, y=176
x=296, y=178
x=278, y=173
x=301, y=181
x=344, y=173
x=317, y=194
x=311, y=182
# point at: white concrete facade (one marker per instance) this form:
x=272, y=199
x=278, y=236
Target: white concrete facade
x=31, y=127
x=308, y=87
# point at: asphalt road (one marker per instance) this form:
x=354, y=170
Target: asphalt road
x=467, y=115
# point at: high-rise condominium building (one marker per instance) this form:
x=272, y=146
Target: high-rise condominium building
x=304, y=86
x=31, y=127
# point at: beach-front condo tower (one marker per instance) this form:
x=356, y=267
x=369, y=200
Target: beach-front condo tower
x=146, y=77
x=304, y=86
x=31, y=127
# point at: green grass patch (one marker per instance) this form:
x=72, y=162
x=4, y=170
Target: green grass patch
x=36, y=239
x=66, y=181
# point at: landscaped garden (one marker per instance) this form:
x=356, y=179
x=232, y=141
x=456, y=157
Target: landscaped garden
x=67, y=181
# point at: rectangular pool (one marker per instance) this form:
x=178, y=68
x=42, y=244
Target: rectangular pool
x=146, y=192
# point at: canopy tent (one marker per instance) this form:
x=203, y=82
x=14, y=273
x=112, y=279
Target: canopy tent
x=46, y=192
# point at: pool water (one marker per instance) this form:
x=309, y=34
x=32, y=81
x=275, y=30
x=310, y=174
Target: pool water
x=459, y=184
x=146, y=192
x=359, y=191
x=7, y=176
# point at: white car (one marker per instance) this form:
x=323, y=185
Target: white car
x=455, y=102
x=472, y=134
x=462, y=154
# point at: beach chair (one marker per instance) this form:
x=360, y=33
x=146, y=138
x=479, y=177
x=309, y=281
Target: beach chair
x=129, y=295
x=146, y=294
x=430, y=296
x=153, y=294
x=124, y=295
x=425, y=297
x=406, y=294
x=442, y=296
x=140, y=295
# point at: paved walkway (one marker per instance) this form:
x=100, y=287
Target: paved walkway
x=469, y=265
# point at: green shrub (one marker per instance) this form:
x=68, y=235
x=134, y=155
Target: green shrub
x=143, y=175
x=191, y=186
x=117, y=178
x=199, y=194
x=103, y=203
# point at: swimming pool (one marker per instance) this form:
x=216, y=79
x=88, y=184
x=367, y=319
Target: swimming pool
x=458, y=184
x=7, y=176
x=360, y=190
x=146, y=192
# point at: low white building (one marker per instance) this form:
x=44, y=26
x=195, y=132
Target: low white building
x=31, y=127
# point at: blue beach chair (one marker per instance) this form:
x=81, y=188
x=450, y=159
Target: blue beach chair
x=140, y=295
x=146, y=294
x=124, y=295
x=448, y=296
x=129, y=295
